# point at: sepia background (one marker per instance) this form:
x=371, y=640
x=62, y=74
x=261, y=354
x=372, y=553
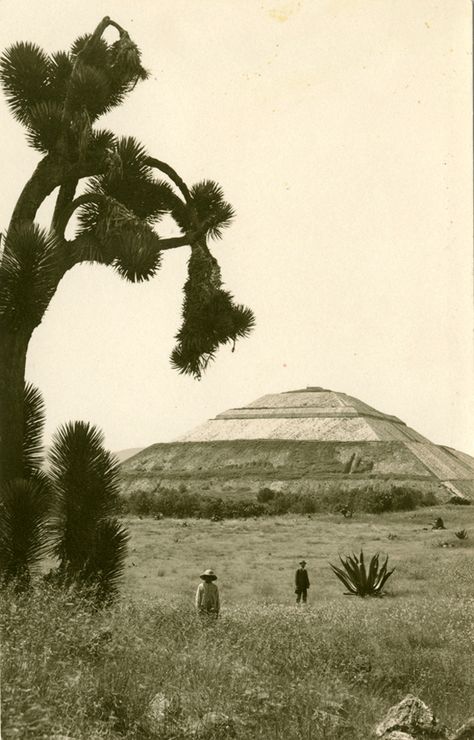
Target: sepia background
x=340, y=131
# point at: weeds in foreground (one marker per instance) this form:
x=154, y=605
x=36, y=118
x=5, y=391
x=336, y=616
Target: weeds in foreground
x=275, y=671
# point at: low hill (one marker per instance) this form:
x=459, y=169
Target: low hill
x=123, y=455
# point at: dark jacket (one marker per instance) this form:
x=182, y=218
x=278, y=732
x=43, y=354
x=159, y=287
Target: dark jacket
x=301, y=579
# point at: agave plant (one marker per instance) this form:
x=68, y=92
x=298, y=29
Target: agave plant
x=462, y=534
x=362, y=581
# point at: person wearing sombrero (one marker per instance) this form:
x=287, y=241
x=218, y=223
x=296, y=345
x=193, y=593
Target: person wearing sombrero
x=301, y=582
x=207, y=595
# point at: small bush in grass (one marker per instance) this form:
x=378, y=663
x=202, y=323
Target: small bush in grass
x=459, y=501
x=359, y=580
x=462, y=534
x=265, y=495
x=243, y=509
x=139, y=503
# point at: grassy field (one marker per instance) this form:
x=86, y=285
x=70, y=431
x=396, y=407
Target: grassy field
x=329, y=670
x=255, y=559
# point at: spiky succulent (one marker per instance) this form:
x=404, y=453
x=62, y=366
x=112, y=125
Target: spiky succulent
x=33, y=425
x=87, y=538
x=24, y=508
x=362, y=581
x=28, y=276
x=210, y=316
x=58, y=97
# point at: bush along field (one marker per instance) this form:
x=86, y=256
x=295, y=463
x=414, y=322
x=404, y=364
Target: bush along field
x=147, y=667
x=373, y=498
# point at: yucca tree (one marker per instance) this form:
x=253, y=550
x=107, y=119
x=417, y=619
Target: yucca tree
x=25, y=503
x=58, y=99
x=87, y=538
x=24, y=508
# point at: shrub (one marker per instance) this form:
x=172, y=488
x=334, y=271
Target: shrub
x=281, y=503
x=243, y=509
x=180, y=504
x=139, y=503
x=265, y=495
x=337, y=497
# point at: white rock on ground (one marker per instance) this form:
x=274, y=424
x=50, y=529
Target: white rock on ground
x=411, y=715
x=158, y=708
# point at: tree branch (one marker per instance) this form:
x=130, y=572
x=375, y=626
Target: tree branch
x=85, y=248
x=68, y=210
x=172, y=174
x=164, y=244
x=65, y=197
x=50, y=173
x=173, y=242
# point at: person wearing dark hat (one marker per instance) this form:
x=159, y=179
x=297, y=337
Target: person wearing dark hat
x=207, y=595
x=301, y=582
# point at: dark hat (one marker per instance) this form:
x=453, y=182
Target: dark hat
x=208, y=574
x=302, y=562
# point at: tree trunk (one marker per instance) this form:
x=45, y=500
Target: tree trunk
x=13, y=348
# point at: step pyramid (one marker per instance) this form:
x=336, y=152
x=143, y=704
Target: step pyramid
x=296, y=440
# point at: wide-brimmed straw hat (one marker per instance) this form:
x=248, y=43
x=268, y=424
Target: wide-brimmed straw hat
x=208, y=574
x=302, y=562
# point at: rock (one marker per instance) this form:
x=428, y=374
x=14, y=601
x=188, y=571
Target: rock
x=158, y=708
x=411, y=716
x=466, y=732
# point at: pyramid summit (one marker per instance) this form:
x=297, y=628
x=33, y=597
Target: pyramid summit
x=301, y=440
x=311, y=414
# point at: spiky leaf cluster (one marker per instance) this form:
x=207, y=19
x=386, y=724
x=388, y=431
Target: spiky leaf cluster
x=362, y=581
x=33, y=426
x=207, y=209
x=103, y=569
x=123, y=239
x=210, y=316
x=88, y=541
x=28, y=276
x=58, y=97
x=130, y=180
x=24, y=507
x=25, y=75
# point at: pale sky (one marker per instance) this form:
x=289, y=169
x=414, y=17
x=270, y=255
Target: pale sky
x=340, y=131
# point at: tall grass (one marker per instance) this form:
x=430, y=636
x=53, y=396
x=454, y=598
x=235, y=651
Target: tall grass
x=276, y=671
